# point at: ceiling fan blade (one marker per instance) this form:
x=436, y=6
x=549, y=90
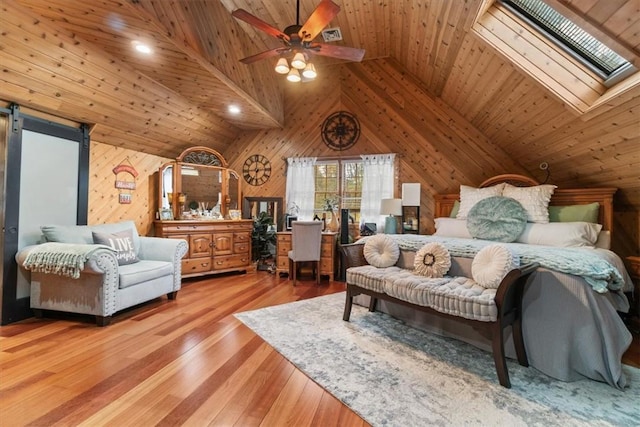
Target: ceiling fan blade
x=321, y=16
x=245, y=16
x=334, y=51
x=264, y=55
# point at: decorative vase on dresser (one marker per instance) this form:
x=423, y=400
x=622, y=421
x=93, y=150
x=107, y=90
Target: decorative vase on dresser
x=334, y=225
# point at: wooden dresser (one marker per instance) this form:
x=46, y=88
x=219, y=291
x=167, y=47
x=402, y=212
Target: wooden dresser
x=214, y=246
x=327, y=253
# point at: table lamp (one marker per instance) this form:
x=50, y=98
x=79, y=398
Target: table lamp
x=392, y=208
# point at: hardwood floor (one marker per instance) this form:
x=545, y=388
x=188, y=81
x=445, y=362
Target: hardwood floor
x=182, y=362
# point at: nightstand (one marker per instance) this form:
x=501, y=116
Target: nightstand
x=633, y=263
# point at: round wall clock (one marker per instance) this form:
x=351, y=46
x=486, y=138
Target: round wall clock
x=340, y=130
x=256, y=169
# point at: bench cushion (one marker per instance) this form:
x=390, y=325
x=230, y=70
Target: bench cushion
x=463, y=297
x=372, y=278
x=413, y=288
x=457, y=296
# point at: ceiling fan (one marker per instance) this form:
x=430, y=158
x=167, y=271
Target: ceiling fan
x=299, y=38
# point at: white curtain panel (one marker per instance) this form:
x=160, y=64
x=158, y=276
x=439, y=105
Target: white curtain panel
x=301, y=185
x=377, y=184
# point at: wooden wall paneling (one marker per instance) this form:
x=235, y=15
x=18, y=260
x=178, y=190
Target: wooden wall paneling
x=433, y=142
x=427, y=116
x=99, y=98
x=99, y=79
x=111, y=26
x=222, y=48
x=103, y=196
x=306, y=107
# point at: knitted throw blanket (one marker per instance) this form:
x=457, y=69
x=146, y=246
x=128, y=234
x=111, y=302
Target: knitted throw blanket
x=64, y=259
x=583, y=262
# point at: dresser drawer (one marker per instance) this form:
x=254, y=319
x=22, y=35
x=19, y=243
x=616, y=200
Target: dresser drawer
x=230, y=261
x=196, y=265
x=326, y=250
x=283, y=263
x=326, y=266
x=241, y=237
x=241, y=248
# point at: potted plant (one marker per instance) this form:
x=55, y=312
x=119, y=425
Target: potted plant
x=263, y=240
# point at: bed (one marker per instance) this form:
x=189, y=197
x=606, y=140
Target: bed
x=571, y=328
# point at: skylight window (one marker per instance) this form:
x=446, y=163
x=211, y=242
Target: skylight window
x=570, y=37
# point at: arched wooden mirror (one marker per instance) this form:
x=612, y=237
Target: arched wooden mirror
x=198, y=185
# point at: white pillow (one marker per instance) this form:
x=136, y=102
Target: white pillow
x=562, y=234
x=452, y=227
x=491, y=264
x=469, y=196
x=535, y=200
x=381, y=251
x=432, y=260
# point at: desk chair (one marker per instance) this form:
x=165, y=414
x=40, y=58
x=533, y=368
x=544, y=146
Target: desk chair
x=306, y=240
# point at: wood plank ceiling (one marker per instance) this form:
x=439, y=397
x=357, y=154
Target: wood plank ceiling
x=179, y=96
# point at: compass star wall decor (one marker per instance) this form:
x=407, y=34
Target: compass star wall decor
x=340, y=130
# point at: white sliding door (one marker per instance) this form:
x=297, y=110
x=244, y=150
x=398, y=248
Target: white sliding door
x=48, y=189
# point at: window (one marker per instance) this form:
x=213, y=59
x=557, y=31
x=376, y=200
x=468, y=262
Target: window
x=575, y=40
x=339, y=182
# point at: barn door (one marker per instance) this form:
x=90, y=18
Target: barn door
x=47, y=183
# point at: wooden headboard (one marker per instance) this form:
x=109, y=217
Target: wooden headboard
x=561, y=197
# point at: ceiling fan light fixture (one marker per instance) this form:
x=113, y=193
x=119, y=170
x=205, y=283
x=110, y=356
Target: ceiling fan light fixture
x=309, y=71
x=282, y=67
x=298, y=61
x=294, y=76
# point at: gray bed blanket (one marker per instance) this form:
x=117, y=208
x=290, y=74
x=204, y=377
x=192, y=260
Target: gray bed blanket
x=601, y=275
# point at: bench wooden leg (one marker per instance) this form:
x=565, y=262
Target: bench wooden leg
x=347, y=306
x=372, y=304
x=518, y=342
x=497, y=345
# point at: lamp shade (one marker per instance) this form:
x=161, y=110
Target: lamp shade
x=411, y=194
x=298, y=61
x=294, y=75
x=309, y=71
x=391, y=207
x=282, y=67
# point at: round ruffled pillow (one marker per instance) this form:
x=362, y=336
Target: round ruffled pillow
x=491, y=264
x=381, y=251
x=497, y=218
x=432, y=260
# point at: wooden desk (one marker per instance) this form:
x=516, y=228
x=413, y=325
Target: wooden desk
x=327, y=253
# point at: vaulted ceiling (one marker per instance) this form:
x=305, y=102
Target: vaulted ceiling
x=74, y=59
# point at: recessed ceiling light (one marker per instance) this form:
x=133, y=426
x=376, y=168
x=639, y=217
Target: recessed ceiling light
x=234, y=109
x=141, y=47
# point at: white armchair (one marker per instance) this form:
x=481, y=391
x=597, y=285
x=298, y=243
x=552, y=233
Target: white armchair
x=103, y=287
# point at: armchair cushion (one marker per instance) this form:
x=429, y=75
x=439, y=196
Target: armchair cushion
x=143, y=271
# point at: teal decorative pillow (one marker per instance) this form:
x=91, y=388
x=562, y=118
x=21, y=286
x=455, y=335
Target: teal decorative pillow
x=575, y=213
x=497, y=218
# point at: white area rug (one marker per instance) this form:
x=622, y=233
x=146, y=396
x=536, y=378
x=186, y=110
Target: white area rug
x=395, y=375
